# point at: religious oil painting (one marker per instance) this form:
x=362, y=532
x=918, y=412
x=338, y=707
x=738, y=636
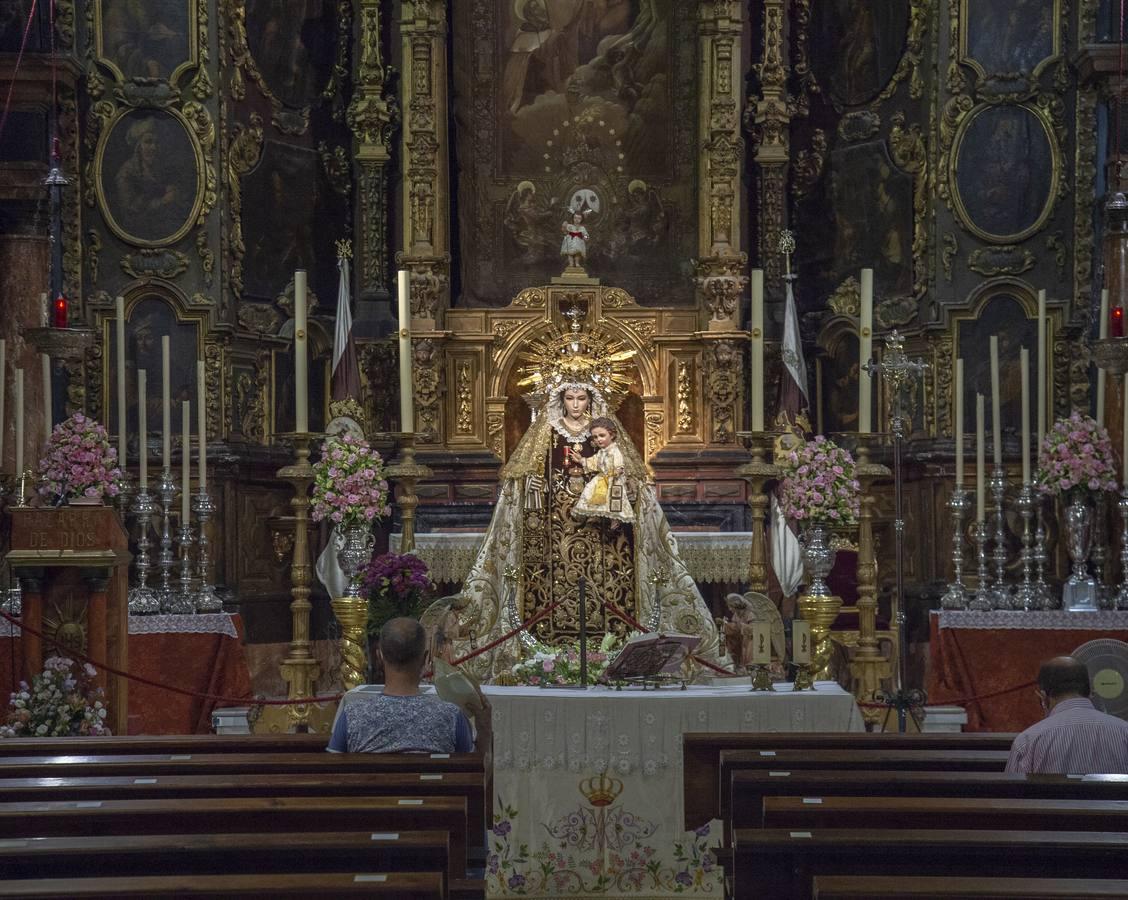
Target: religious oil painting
x=20, y=17
x=1004, y=178
x=149, y=176
x=293, y=44
x=1003, y=315
x=147, y=320
x=582, y=108
x=871, y=221
x=1008, y=40
x=146, y=39
x=291, y=218
x=857, y=46
x=838, y=396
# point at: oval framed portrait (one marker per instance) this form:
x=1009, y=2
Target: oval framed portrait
x=150, y=182
x=1004, y=170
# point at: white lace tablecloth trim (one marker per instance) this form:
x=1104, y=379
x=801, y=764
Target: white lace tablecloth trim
x=1056, y=620
x=203, y=623
x=710, y=556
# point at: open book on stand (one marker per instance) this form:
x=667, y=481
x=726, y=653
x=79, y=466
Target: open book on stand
x=649, y=655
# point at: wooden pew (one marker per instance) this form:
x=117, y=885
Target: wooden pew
x=808, y=813
x=750, y=788
x=874, y=887
x=164, y=743
x=701, y=753
x=470, y=785
x=395, y=885
x=210, y=815
x=216, y=854
x=783, y=862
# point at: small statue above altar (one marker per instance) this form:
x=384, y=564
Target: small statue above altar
x=574, y=245
x=745, y=610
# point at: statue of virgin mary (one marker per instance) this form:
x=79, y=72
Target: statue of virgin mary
x=537, y=552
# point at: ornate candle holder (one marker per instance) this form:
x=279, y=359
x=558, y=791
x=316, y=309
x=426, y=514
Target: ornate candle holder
x=956, y=595
x=406, y=472
x=1047, y=598
x=757, y=472
x=166, y=492
x=1100, y=552
x=761, y=678
x=1122, y=594
x=183, y=601
x=207, y=601
x=21, y=496
x=1026, y=595
x=982, y=600
x=1000, y=592
x=143, y=600
x=124, y=499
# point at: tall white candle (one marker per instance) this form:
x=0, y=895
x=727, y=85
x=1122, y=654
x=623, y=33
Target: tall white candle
x=958, y=423
x=166, y=406
x=865, y=347
x=19, y=422
x=1024, y=355
x=142, y=429
x=756, y=326
x=1101, y=372
x=996, y=420
x=761, y=644
x=407, y=397
x=801, y=642
x=185, y=458
x=1042, y=373
x=301, y=355
x=45, y=363
x=120, y=325
x=980, y=459
x=3, y=393
x=202, y=422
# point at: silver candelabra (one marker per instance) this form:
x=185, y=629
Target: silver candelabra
x=1122, y=594
x=1000, y=593
x=981, y=601
x=143, y=600
x=166, y=491
x=207, y=601
x=184, y=600
x=1026, y=596
x=956, y=595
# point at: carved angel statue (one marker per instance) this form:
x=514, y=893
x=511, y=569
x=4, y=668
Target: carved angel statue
x=747, y=609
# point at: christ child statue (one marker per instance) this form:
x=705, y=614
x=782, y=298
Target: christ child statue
x=605, y=495
x=574, y=246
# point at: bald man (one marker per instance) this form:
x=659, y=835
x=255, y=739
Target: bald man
x=1074, y=738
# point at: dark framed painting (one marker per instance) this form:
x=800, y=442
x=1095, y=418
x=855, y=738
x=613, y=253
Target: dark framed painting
x=293, y=44
x=872, y=220
x=147, y=319
x=150, y=181
x=856, y=46
x=291, y=219
x=150, y=40
x=838, y=383
x=1005, y=164
x=1004, y=315
x=1004, y=40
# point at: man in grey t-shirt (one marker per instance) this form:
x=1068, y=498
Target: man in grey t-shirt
x=401, y=719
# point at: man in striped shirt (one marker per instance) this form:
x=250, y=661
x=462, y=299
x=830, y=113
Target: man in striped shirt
x=1074, y=738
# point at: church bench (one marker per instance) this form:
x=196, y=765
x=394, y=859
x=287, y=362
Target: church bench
x=235, y=763
x=750, y=788
x=782, y=862
x=1019, y=814
x=164, y=743
x=701, y=752
x=213, y=815
x=854, y=760
x=865, y=887
x=216, y=854
x=470, y=785
x=395, y=885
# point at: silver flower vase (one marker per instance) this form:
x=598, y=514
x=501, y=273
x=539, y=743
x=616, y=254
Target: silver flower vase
x=354, y=550
x=818, y=556
x=1079, y=594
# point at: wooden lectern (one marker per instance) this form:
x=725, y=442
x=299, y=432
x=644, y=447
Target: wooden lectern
x=73, y=566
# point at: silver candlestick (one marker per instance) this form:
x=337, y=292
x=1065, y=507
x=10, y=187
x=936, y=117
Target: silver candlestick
x=184, y=600
x=999, y=590
x=1105, y=598
x=1048, y=599
x=143, y=600
x=1122, y=594
x=982, y=600
x=956, y=595
x=206, y=599
x=1026, y=595
x=166, y=491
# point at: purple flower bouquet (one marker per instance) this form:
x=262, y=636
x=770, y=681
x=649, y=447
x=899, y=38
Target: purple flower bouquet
x=1076, y=456
x=78, y=461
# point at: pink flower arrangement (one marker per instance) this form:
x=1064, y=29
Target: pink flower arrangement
x=1076, y=454
x=78, y=461
x=349, y=486
x=60, y=701
x=561, y=665
x=820, y=484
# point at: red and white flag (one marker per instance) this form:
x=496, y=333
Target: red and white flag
x=787, y=558
x=346, y=370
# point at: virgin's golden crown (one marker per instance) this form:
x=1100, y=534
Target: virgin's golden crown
x=577, y=356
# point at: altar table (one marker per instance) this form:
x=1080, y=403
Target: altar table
x=202, y=653
x=998, y=653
